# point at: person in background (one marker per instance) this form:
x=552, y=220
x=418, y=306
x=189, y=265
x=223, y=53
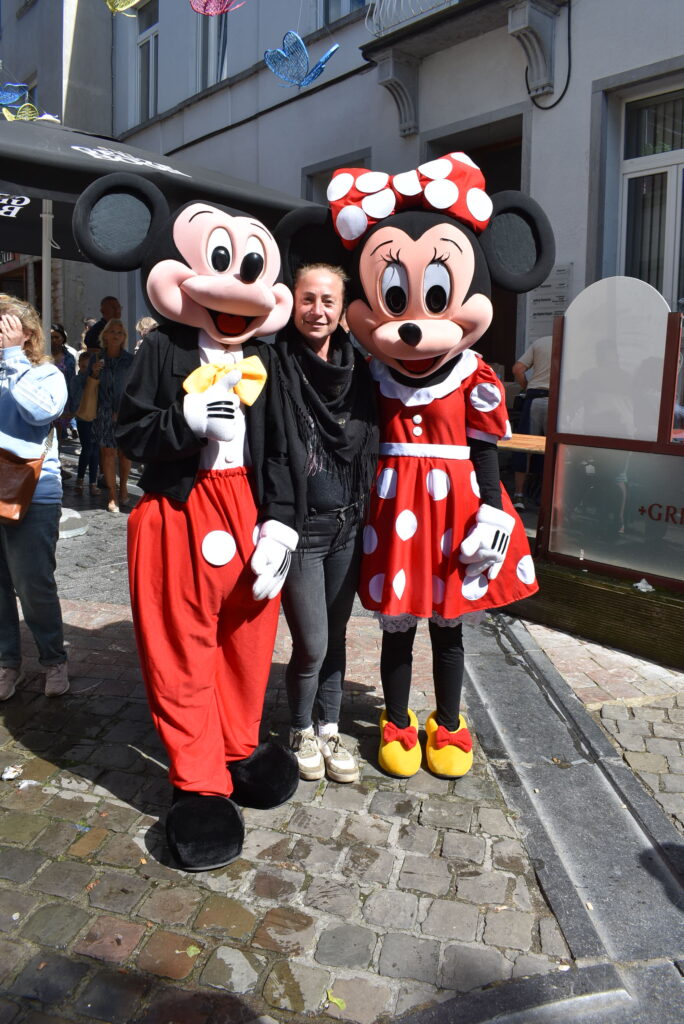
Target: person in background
x=112, y=370
x=331, y=426
x=64, y=361
x=89, y=458
x=110, y=309
x=33, y=394
x=142, y=327
x=537, y=359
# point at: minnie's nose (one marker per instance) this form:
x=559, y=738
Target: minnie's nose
x=410, y=333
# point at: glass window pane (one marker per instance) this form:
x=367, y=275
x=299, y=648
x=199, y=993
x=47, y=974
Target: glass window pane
x=620, y=508
x=645, y=245
x=155, y=65
x=148, y=16
x=678, y=419
x=654, y=125
x=144, y=59
x=222, y=47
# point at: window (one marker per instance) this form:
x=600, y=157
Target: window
x=333, y=10
x=652, y=219
x=212, y=64
x=148, y=59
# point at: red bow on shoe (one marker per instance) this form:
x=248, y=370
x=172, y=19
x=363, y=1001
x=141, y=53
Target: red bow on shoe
x=461, y=739
x=453, y=184
x=408, y=737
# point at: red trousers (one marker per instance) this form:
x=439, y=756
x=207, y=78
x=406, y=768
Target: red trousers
x=205, y=644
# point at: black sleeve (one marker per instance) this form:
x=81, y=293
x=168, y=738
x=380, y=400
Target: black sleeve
x=484, y=457
x=151, y=426
x=277, y=498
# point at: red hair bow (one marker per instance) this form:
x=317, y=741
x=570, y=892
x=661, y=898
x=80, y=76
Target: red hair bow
x=453, y=184
x=461, y=739
x=408, y=737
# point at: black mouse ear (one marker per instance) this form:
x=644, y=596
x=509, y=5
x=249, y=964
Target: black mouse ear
x=114, y=217
x=518, y=243
x=305, y=236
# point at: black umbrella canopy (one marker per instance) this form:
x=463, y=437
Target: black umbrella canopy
x=49, y=161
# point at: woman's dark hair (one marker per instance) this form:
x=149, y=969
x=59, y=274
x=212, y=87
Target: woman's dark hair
x=58, y=329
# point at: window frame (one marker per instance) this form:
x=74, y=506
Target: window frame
x=148, y=38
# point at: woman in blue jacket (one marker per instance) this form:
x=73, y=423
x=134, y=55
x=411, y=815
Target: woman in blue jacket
x=33, y=394
x=112, y=372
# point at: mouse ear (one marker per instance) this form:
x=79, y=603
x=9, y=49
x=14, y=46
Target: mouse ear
x=305, y=236
x=518, y=243
x=114, y=217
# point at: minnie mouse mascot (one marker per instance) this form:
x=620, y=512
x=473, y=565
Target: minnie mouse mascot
x=442, y=537
x=209, y=543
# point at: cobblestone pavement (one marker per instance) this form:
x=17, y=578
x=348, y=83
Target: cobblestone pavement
x=638, y=703
x=357, y=902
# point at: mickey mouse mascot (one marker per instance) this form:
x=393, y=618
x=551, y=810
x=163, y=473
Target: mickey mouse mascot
x=442, y=537
x=209, y=543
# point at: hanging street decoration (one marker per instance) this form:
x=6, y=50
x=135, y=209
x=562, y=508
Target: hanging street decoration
x=292, y=62
x=119, y=6
x=212, y=7
x=13, y=92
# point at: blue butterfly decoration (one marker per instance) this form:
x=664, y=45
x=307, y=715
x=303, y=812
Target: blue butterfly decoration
x=12, y=92
x=292, y=62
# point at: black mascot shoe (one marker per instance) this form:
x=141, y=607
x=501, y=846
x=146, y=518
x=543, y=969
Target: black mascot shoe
x=203, y=832
x=267, y=778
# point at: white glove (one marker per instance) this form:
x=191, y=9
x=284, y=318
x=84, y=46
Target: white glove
x=271, y=558
x=211, y=413
x=485, y=547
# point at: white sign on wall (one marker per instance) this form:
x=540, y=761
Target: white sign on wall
x=548, y=301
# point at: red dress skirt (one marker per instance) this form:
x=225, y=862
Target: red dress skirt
x=426, y=497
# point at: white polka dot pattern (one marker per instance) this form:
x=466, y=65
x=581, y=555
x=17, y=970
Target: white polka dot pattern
x=435, y=168
x=399, y=583
x=386, y=485
x=218, y=547
x=479, y=204
x=373, y=181
x=407, y=184
x=447, y=542
x=525, y=570
x=474, y=484
x=379, y=205
x=463, y=158
x=375, y=586
x=441, y=194
x=485, y=397
x=438, y=484
x=370, y=540
x=351, y=222
x=255, y=535
x=474, y=587
x=339, y=187
x=406, y=524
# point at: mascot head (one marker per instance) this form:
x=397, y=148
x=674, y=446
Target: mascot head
x=204, y=265
x=422, y=248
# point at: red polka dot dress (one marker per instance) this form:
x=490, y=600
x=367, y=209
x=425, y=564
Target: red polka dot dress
x=426, y=497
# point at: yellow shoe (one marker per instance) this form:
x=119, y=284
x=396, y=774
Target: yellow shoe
x=445, y=757
x=400, y=752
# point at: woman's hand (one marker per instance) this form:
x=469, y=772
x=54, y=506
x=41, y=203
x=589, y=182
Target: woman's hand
x=96, y=368
x=11, y=331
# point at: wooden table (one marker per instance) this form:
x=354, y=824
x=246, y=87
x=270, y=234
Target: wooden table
x=533, y=444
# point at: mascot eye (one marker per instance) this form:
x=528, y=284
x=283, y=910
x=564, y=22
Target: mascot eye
x=394, y=287
x=436, y=287
x=254, y=260
x=219, y=250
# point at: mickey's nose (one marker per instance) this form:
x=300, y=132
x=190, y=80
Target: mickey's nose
x=410, y=333
x=251, y=266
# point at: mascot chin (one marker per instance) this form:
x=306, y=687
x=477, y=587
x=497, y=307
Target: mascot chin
x=209, y=544
x=442, y=538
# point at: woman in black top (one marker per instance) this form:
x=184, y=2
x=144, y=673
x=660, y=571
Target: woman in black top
x=331, y=420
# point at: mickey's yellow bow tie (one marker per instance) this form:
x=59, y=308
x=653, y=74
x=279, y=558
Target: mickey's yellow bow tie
x=247, y=389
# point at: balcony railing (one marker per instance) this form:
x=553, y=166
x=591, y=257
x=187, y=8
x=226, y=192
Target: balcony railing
x=384, y=16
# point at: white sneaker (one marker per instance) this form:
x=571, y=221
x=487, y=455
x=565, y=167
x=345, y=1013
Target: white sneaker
x=309, y=758
x=56, y=680
x=340, y=765
x=8, y=682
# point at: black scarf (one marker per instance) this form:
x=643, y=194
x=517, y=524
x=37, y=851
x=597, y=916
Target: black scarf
x=333, y=408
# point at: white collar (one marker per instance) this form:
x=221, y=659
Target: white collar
x=407, y=395
x=214, y=352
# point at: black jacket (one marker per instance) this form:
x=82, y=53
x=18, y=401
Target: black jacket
x=151, y=428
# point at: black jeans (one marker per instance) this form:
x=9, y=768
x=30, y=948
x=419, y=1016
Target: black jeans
x=317, y=600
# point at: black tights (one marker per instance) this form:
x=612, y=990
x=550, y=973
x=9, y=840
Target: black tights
x=396, y=662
